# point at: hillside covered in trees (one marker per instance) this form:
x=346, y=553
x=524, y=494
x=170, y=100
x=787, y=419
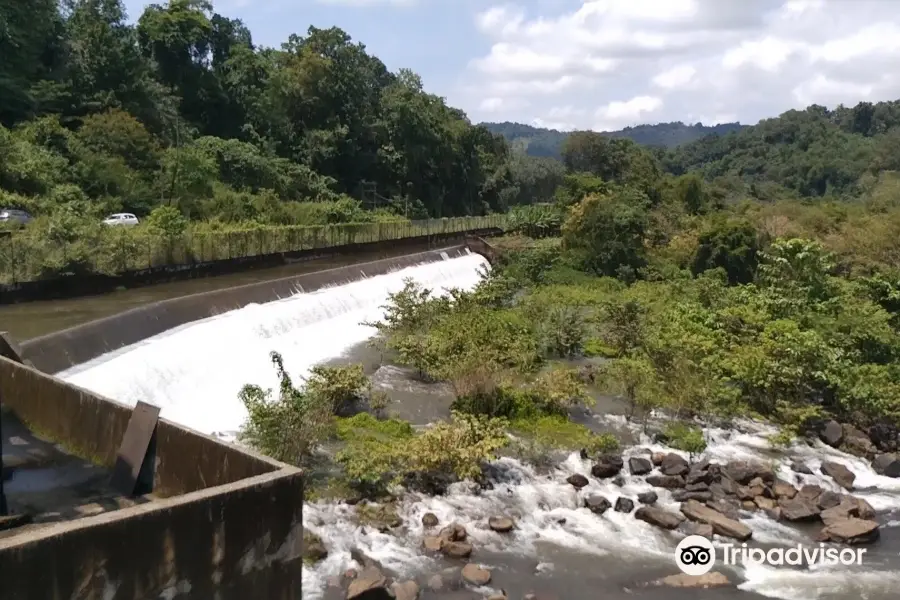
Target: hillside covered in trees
x=182, y=109
x=537, y=141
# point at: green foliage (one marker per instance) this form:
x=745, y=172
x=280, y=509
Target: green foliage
x=684, y=437
x=380, y=453
x=544, y=434
x=729, y=245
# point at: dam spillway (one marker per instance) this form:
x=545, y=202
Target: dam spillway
x=195, y=372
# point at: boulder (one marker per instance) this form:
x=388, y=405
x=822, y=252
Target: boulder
x=674, y=464
x=721, y=524
x=501, y=524
x=699, y=473
x=407, y=590
x=370, y=583
x=429, y=520
x=314, y=549
x=783, y=489
x=624, y=505
x=832, y=434
x=843, y=476
x=764, y=503
x=850, y=531
x=887, y=465
x=457, y=549
x=597, y=504
x=798, y=509
x=607, y=466
x=432, y=543
x=857, y=442
x=699, y=486
x=743, y=472
x=810, y=492
x=886, y=437
x=683, y=580
x=647, y=497
x=695, y=528
x=683, y=495
x=577, y=481
x=849, y=507
x=828, y=500
x=729, y=509
x=639, y=465
x=475, y=575
x=669, y=482
x=659, y=517
x=454, y=532
x=657, y=457
x=799, y=467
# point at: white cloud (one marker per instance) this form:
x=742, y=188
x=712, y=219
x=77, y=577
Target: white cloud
x=614, y=63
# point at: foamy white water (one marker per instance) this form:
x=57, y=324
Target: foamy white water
x=194, y=372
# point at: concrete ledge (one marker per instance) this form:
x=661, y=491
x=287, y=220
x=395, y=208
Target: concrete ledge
x=61, y=350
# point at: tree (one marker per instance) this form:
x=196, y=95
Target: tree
x=731, y=245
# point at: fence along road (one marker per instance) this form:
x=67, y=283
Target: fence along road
x=26, y=257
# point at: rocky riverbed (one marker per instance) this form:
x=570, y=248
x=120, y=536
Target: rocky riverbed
x=611, y=523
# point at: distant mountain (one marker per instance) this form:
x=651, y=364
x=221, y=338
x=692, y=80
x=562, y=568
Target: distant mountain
x=536, y=141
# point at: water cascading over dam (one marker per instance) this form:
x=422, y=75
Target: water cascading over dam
x=194, y=372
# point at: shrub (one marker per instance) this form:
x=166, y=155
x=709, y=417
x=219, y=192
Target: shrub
x=685, y=437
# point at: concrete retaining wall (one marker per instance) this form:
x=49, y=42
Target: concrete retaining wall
x=75, y=286
x=58, y=351
x=196, y=543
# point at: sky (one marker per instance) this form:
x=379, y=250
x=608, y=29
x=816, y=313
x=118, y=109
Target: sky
x=608, y=64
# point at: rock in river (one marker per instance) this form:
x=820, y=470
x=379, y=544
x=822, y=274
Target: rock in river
x=659, y=517
x=843, y=476
x=721, y=524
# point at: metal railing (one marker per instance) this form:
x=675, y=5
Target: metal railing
x=30, y=256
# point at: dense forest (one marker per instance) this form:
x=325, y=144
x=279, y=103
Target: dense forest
x=537, y=141
x=182, y=109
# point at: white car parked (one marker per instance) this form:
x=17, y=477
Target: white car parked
x=121, y=219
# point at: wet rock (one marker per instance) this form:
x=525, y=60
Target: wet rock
x=810, y=492
x=429, y=520
x=407, y=590
x=659, y=517
x=799, y=467
x=454, y=532
x=849, y=507
x=657, y=457
x=857, y=442
x=475, y=575
x=694, y=528
x=674, y=464
x=774, y=513
x=365, y=561
x=721, y=524
x=748, y=505
x=798, y=508
x=828, y=500
x=618, y=480
x=501, y=524
x=370, y=583
x=607, y=466
x=843, y=476
x=729, y=509
x=647, y=497
x=683, y=495
x=783, y=489
x=597, y=504
x=669, y=482
x=885, y=436
x=832, y=434
x=624, y=505
x=850, y=531
x=743, y=472
x=577, y=481
x=497, y=597
x=764, y=503
x=887, y=465
x=382, y=517
x=314, y=549
x=432, y=543
x=745, y=493
x=697, y=487
x=457, y=549
x=683, y=580
x=639, y=465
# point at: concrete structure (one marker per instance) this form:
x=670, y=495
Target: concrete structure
x=221, y=522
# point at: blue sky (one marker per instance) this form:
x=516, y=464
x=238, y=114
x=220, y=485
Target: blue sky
x=606, y=64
